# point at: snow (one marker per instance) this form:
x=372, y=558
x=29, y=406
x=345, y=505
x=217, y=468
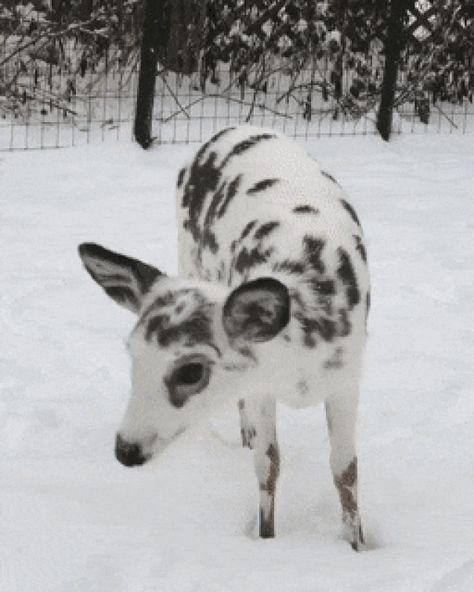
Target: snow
x=73, y=519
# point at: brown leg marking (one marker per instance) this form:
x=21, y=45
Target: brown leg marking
x=346, y=484
x=248, y=436
x=267, y=493
x=247, y=430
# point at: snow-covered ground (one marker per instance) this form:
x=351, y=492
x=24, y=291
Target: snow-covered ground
x=72, y=519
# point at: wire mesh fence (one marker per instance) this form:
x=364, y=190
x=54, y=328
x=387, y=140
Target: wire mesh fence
x=55, y=106
x=55, y=94
x=52, y=105
x=299, y=106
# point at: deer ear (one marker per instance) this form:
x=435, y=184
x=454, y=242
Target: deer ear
x=124, y=279
x=257, y=311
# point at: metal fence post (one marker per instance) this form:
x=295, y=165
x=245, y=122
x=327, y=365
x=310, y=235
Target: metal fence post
x=155, y=18
x=393, y=47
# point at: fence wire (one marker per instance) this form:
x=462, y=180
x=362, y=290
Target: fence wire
x=78, y=99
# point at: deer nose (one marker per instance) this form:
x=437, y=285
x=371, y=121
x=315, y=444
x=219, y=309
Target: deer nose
x=128, y=453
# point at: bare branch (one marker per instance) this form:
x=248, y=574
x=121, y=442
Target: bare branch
x=170, y=90
x=226, y=98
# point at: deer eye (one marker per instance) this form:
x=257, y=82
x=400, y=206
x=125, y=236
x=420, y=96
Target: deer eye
x=187, y=379
x=189, y=374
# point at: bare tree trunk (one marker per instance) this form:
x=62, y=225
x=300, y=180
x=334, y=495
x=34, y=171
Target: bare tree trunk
x=393, y=48
x=156, y=18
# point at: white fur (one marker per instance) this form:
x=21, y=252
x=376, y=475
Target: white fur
x=283, y=369
x=281, y=364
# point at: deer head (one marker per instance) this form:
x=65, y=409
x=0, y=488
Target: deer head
x=194, y=345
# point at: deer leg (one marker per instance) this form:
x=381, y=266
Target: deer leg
x=247, y=428
x=267, y=465
x=341, y=414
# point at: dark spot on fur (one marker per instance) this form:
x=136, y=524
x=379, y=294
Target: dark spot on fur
x=211, y=141
x=246, y=145
x=203, y=179
x=266, y=229
x=344, y=326
x=206, y=187
x=312, y=327
x=196, y=328
x=232, y=190
x=246, y=259
x=317, y=323
x=251, y=256
x=216, y=209
x=247, y=229
x=297, y=300
x=289, y=266
x=216, y=200
x=325, y=287
x=350, y=210
x=181, y=174
x=274, y=457
x=221, y=271
x=164, y=299
x=335, y=361
x=169, y=297
x=305, y=210
x=262, y=185
x=327, y=328
x=330, y=177
x=221, y=132
x=346, y=273
x=313, y=248
x=247, y=352
x=248, y=436
x=323, y=291
x=208, y=238
x=215, y=137
x=155, y=324
x=361, y=248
